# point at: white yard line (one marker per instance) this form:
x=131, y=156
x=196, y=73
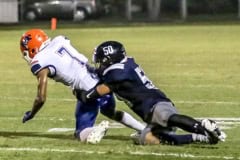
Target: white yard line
x=225, y=123
x=177, y=155
x=208, y=102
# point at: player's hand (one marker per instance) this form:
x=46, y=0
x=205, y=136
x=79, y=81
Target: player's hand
x=27, y=116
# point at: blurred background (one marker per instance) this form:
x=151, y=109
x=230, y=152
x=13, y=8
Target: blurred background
x=82, y=11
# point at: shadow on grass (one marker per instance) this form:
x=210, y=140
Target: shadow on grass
x=117, y=137
x=14, y=135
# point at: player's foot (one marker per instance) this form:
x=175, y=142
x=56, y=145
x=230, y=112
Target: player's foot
x=200, y=138
x=213, y=131
x=98, y=132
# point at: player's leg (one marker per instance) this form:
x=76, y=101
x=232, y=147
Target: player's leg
x=85, y=118
x=175, y=139
x=156, y=134
x=107, y=108
x=166, y=115
x=167, y=135
x=85, y=115
x=191, y=125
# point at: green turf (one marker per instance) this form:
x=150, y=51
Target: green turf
x=195, y=65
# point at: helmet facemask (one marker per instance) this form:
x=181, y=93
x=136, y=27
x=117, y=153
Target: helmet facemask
x=99, y=63
x=26, y=56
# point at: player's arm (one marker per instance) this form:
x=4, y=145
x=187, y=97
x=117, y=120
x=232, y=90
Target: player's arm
x=42, y=77
x=96, y=92
x=102, y=89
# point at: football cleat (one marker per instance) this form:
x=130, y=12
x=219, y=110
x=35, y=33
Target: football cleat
x=222, y=136
x=213, y=131
x=98, y=132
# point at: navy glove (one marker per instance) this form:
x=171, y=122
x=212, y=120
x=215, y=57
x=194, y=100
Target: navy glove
x=86, y=96
x=80, y=95
x=27, y=116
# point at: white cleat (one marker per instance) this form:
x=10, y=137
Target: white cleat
x=98, y=132
x=222, y=136
x=214, y=132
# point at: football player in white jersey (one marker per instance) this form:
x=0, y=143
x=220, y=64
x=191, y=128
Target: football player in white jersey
x=57, y=59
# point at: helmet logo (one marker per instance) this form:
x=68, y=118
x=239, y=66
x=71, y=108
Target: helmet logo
x=108, y=50
x=25, y=41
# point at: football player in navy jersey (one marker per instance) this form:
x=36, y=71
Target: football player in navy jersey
x=57, y=59
x=125, y=78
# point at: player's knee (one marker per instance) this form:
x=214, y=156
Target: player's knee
x=173, y=119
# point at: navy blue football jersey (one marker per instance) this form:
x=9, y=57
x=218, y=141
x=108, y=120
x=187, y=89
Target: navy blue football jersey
x=130, y=84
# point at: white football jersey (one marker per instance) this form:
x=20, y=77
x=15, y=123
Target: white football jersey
x=65, y=63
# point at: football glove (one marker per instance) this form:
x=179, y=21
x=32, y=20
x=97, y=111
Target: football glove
x=27, y=116
x=80, y=95
x=86, y=96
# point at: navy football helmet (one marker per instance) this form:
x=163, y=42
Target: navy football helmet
x=108, y=53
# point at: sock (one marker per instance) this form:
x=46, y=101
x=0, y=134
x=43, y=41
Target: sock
x=131, y=122
x=84, y=134
x=176, y=139
x=186, y=123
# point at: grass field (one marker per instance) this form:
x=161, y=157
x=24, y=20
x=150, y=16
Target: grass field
x=197, y=66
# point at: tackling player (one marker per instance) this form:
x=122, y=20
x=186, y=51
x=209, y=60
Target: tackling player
x=124, y=77
x=59, y=60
